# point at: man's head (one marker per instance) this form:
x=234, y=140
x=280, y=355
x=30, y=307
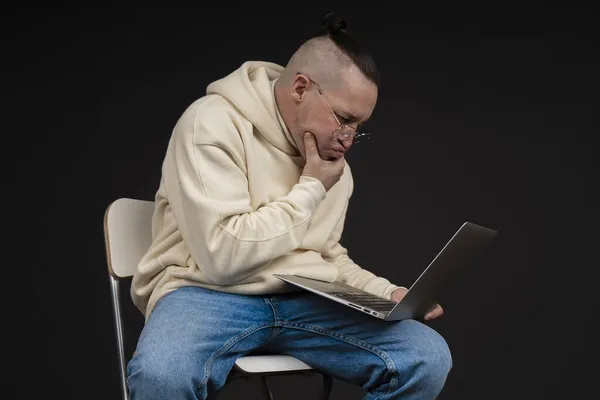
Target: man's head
x=328, y=82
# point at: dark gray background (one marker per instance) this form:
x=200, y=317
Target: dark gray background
x=491, y=121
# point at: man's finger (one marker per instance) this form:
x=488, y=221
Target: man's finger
x=310, y=144
x=435, y=313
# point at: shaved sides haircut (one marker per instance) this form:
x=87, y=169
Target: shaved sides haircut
x=332, y=49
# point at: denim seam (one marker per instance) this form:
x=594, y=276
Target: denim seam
x=269, y=302
x=348, y=339
x=226, y=346
x=277, y=326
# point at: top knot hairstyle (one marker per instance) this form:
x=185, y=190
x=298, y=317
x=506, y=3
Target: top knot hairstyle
x=337, y=29
x=332, y=23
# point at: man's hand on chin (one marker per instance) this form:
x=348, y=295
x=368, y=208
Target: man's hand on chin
x=436, y=312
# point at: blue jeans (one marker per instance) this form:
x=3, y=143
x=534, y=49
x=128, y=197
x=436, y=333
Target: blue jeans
x=194, y=336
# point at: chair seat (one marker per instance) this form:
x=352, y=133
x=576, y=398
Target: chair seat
x=270, y=363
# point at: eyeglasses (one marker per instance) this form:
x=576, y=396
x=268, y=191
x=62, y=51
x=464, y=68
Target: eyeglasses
x=343, y=131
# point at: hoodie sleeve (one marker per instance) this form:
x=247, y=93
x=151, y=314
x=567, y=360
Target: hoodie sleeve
x=208, y=191
x=349, y=272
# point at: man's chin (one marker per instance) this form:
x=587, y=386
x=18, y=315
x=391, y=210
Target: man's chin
x=334, y=155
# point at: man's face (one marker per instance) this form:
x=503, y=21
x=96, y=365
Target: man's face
x=322, y=111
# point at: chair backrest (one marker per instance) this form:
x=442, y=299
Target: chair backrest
x=127, y=235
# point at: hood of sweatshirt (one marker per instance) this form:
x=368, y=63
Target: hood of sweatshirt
x=250, y=89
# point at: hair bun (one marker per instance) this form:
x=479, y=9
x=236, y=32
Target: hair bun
x=333, y=23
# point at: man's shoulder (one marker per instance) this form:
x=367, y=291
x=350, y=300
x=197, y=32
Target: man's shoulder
x=212, y=120
x=211, y=107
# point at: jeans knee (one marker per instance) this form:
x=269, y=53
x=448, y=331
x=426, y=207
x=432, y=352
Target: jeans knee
x=432, y=354
x=439, y=358
x=424, y=360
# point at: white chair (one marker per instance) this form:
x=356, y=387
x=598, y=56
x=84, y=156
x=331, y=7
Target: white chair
x=128, y=235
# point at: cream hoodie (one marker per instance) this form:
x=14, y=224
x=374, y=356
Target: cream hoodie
x=232, y=207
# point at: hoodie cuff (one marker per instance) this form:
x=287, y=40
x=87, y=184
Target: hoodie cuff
x=308, y=193
x=387, y=294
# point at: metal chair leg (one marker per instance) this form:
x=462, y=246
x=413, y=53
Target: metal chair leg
x=266, y=388
x=327, y=384
x=118, y=321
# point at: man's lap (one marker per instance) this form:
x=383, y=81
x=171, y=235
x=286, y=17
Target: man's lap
x=198, y=334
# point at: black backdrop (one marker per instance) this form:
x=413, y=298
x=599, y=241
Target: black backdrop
x=492, y=121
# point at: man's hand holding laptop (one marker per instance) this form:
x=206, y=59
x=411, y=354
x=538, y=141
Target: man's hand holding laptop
x=436, y=312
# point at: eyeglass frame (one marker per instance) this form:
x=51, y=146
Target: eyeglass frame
x=355, y=135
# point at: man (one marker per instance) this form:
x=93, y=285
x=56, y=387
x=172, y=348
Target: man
x=254, y=183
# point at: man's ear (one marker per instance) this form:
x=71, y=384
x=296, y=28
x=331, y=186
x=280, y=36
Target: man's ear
x=300, y=87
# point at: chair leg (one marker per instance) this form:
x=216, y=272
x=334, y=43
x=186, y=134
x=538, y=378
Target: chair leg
x=266, y=388
x=327, y=384
x=118, y=321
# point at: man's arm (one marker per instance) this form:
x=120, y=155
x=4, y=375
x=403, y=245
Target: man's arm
x=349, y=272
x=206, y=183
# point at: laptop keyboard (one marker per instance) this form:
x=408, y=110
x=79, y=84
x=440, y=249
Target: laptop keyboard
x=367, y=300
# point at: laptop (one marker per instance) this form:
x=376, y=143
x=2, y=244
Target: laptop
x=462, y=250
